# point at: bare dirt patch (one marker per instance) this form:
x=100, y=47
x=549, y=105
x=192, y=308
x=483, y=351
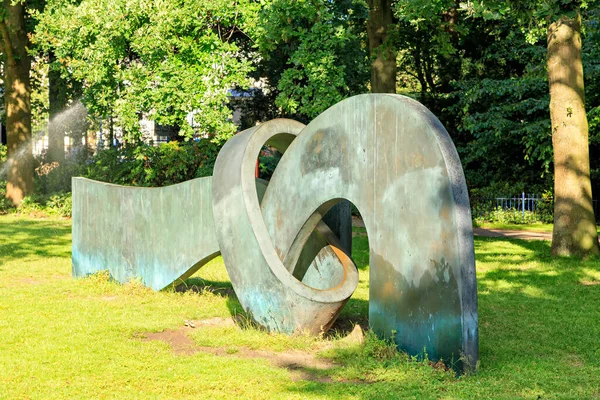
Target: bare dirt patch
x=179, y=341
x=511, y=234
x=303, y=365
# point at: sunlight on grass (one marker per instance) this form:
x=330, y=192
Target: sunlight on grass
x=538, y=227
x=63, y=338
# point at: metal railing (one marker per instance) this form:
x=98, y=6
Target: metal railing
x=483, y=207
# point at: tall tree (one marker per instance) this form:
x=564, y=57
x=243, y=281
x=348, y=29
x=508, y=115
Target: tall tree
x=17, y=98
x=574, y=220
x=161, y=60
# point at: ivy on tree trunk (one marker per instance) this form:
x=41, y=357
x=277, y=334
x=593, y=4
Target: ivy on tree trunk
x=574, y=222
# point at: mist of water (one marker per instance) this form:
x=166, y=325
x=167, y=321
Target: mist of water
x=69, y=120
x=20, y=153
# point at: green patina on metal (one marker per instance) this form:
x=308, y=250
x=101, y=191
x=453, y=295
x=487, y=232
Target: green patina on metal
x=264, y=280
x=392, y=158
x=160, y=235
x=387, y=154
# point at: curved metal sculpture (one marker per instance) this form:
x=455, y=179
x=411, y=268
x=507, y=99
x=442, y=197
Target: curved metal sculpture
x=393, y=159
x=387, y=154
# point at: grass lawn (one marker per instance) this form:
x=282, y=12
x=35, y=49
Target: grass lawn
x=539, y=322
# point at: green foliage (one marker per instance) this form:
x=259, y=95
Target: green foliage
x=545, y=208
x=147, y=165
x=5, y=204
x=509, y=216
x=591, y=65
x=38, y=205
x=313, y=53
x=513, y=216
x=3, y=155
x=267, y=165
x=485, y=82
x=506, y=130
x=484, y=207
x=162, y=59
x=60, y=203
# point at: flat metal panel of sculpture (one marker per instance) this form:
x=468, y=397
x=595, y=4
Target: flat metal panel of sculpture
x=160, y=235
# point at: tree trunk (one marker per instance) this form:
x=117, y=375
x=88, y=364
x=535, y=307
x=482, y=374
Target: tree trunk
x=57, y=93
x=452, y=64
x=17, y=100
x=383, y=53
x=111, y=132
x=574, y=222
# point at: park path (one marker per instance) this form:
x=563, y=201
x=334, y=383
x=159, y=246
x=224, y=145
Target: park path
x=497, y=233
x=509, y=234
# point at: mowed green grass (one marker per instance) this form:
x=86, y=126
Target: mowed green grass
x=538, y=226
x=62, y=338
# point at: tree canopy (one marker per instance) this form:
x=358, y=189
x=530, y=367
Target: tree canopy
x=481, y=66
x=163, y=59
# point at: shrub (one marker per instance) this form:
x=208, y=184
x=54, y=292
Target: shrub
x=58, y=204
x=5, y=204
x=512, y=216
x=267, y=162
x=545, y=208
x=484, y=204
x=147, y=165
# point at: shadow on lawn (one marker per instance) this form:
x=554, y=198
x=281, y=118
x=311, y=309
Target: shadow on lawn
x=200, y=285
x=537, y=319
x=536, y=309
x=221, y=288
x=23, y=238
x=355, y=311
